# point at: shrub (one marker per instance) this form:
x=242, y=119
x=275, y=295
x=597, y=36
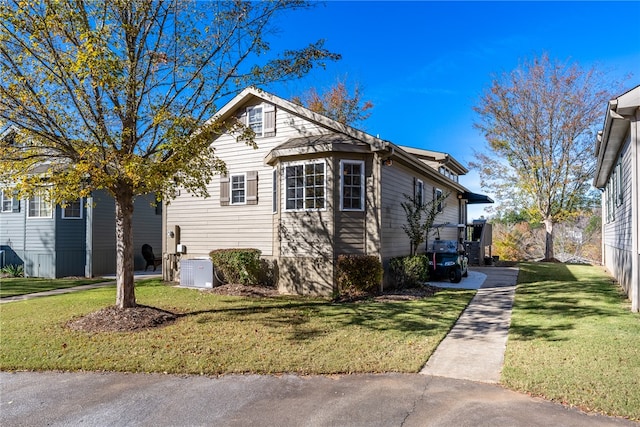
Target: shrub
x=409, y=271
x=358, y=273
x=237, y=265
x=12, y=270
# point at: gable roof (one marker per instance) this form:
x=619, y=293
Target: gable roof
x=611, y=138
x=251, y=92
x=345, y=134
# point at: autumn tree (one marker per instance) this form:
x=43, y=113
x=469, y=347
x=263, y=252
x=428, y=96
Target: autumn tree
x=337, y=103
x=539, y=121
x=116, y=95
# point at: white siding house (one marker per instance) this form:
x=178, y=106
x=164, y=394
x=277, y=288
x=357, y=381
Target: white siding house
x=618, y=177
x=311, y=190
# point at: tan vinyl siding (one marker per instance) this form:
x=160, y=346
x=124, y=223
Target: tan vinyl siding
x=397, y=181
x=205, y=225
x=350, y=237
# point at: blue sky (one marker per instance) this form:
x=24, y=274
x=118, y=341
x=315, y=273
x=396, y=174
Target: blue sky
x=425, y=64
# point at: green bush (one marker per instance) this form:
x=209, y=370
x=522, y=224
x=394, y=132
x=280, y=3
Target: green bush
x=237, y=265
x=409, y=271
x=12, y=270
x=358, y=274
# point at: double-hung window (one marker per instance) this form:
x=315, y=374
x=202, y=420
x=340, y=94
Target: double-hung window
x=238, y=189
x=72, y=210
x=255, y=119
x=352, y=185
x=7, y=201
x=39, y=207
x=305, y=186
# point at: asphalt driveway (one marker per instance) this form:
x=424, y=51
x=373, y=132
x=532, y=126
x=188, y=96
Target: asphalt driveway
x=116, y=399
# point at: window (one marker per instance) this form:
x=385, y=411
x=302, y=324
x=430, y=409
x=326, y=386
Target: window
x=39, y=207
x=274, y=192
x=619, y=186
x=418, y=192
x=438, y=195
x=237, y=189
x=72, y=210
x=305, y=186
x=7, y=201
x=254, y=119
x=352, y=185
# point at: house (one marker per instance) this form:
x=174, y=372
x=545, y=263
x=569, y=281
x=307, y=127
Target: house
x=618, y=177
x=75, y=240
x=313, y=189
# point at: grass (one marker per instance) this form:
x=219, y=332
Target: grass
x=13, y=286
x=222, y=334
x=574, y=340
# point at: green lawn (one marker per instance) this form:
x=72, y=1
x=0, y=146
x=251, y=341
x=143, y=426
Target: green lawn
x=222, y=334
x=573, y=340
x=12, y=286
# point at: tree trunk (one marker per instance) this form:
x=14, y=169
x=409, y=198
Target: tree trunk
x=125, y=294
x=549, y=254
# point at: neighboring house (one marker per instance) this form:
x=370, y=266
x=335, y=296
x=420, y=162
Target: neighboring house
x=75, y=240
x=618, y=176
x=313, y=189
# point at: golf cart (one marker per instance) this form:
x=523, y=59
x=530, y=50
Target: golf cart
x=447, y=259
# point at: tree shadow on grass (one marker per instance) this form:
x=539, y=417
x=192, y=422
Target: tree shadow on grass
x=550, y=299
x=307, y=319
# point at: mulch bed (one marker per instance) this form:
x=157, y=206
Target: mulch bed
x=113, y=319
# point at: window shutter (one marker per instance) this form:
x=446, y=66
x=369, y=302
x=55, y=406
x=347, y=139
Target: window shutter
x=252, y=188
x=224, y=190
x=415, y=184
x=244, y=117
x=15, y=206
x=269, y=111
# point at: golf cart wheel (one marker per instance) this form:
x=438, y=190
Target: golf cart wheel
x=455, y=275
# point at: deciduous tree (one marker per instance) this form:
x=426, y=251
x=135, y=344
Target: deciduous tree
x=116, y=95
x=539, y=121
x=337, y=103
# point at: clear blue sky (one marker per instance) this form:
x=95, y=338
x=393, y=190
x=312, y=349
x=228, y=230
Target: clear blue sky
x=425, y=64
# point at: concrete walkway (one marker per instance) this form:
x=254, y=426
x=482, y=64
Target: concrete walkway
x=474, y=348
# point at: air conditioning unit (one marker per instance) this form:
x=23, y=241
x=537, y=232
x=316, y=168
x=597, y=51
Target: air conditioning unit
x=196, y=273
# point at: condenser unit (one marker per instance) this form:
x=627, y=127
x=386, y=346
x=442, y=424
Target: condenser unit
x=196, y=273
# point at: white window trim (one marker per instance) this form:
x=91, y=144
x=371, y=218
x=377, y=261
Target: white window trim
x=64, y=216
x=29, y=216
x=244, y=188
x=4, y=199
x=362, y=185
x=249, y=109
x=304, y=195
